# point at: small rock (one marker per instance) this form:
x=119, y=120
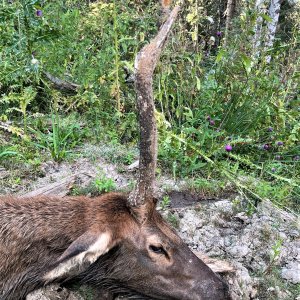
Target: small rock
x=295, y=234
x=241, y=284
x=242, y=216
x=282, y=235
x=239, y=251
x=134, y=166
x=3, y=173
x=291, y=273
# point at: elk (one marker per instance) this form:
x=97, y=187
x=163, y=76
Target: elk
x=117, y=242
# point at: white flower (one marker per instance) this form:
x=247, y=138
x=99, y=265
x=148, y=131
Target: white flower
x=210, y=19
x=34, y=61
x=212, y=40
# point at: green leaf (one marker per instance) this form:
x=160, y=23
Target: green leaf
x=247, y=62
x=266, y=17
x=220, y=55
x=8, y=153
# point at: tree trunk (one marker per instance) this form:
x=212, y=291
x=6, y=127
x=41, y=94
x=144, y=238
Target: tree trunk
x=274, y=11
x=258, y=28
x=229, y=15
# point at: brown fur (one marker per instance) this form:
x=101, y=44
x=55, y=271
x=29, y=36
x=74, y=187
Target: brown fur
x=42, y=234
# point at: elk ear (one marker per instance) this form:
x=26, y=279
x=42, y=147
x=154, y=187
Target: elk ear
x=84, y=251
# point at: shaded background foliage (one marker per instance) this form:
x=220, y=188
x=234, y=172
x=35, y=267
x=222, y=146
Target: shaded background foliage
x=223, y=111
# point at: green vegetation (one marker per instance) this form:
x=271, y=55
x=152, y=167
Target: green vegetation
x=272, y=282
x=104, y=184
x=165, y=202
x=224, y=113
x=101, y=184
x=172, y=219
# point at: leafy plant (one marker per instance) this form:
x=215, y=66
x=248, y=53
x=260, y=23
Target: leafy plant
x=165, y=202
x=60, y=139
x=173, y=220
x=275, y=253
x=20, y=103
x=7, y=152
x=104, y=184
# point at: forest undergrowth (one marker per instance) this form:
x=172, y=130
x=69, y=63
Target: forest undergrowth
x=227, y=102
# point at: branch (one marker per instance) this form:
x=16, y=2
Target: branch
x=145, y=64
x=62, y=85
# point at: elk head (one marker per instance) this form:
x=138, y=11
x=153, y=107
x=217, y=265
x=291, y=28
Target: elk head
x=146, y=259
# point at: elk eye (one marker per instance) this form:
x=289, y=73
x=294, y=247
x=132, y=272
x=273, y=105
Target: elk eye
x=157, y=250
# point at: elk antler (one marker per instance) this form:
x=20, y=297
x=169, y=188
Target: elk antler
x=145, y=63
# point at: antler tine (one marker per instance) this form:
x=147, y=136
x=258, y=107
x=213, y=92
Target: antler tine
x=145, y=63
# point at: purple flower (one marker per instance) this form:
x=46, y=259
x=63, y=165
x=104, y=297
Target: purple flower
x=219, y=33
x=297, y=157
x=278, y=157
x=280, y=143
x=39, y=13
x=208, y=118
x=266, y=146
x=273, y=169
x=270, y=129
x=228, y=148
x=212, y=122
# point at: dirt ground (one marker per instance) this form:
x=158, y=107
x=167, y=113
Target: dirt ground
x=263, y=245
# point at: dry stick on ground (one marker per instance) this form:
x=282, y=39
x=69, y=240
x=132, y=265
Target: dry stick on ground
x=145, y=64
x=60, y=188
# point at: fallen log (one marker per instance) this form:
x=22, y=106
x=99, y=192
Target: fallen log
x=60, y=188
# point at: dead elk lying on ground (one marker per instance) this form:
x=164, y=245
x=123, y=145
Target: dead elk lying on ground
x=102, y=242
x=115, y=242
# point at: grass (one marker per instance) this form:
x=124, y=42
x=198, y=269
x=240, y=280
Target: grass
x=271, y=283
x=173, y=220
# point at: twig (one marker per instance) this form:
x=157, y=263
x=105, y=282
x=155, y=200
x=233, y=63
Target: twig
x=62, y=85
